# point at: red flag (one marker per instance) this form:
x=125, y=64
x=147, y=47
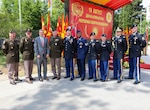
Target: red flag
x=59, y=26
x=42, y=21
x=48, y=27
x=66, y=22
x=63, y=25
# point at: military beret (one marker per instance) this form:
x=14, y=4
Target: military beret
x=92, y=34
x=134, y=25
x=78, y=31
x=103, y=35
x=119, y=29
x=12, y=31
x=28, y=30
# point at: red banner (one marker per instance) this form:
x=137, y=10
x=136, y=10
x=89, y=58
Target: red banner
x=91, y=18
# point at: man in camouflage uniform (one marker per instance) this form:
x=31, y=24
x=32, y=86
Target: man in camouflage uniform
x=10, y=48
x=27, y=50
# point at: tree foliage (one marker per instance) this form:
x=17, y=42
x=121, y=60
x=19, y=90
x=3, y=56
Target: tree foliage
x=129, y=14
x=31, y=16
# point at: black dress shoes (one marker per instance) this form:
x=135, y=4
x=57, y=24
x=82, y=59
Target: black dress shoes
x=136, y=82
x=58, y=78
x=95, y=80
x=82, y=79
x=90, y=78
x=71, y=79
x=32, y=79
x=66, y=76
x=119, y=81
x=54, y=77
x=17, y=79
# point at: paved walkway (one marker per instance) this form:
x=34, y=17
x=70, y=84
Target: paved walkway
x=77, y=95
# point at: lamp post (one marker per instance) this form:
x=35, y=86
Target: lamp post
x=20, y=17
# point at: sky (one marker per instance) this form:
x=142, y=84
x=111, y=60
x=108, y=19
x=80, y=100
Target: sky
x=146, y=3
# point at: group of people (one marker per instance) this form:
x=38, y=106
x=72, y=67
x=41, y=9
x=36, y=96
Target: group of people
x=74, y=48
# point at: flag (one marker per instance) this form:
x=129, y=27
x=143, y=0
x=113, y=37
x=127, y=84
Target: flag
x=66, y=22
x=48, y=26
x=42, y=22
x=63, y=26
x=48, y=20
x=59, y=26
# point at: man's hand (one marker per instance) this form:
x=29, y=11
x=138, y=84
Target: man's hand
x=38, y=56
x=47, y=55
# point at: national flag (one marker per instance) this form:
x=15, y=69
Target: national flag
x=42, y=22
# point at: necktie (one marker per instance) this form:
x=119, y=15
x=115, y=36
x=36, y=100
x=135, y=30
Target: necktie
x=42, y=40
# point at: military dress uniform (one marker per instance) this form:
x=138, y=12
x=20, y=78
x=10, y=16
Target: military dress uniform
x=81, y=55
x=27, y=50
x=11, y=50
x=70, y=48
x=56, y=47
x=120, y=47
x=104, y=51
x=136, y=44
x=92, y=59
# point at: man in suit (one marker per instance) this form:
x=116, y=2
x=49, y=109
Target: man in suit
x=56, y=47
x=27, y=50
x=41, y=48
x=81, y=54
x=104, y=51
x=92, y=57
x=136, y=43
x=120, y=47
x=10, y=48
x=70, y=44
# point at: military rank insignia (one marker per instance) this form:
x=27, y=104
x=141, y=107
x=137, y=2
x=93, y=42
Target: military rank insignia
x=80, y=44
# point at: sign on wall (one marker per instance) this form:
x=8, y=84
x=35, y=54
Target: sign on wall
x=91, y=18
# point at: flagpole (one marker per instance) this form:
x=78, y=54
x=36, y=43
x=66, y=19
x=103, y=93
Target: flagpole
x=20, y=17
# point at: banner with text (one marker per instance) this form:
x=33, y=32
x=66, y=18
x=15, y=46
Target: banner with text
x=91, y=18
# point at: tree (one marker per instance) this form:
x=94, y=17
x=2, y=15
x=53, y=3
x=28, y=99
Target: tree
x=31, y=16
x=129, y=14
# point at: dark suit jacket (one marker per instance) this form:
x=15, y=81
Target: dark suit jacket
x=136, y=43
x=70, y=47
